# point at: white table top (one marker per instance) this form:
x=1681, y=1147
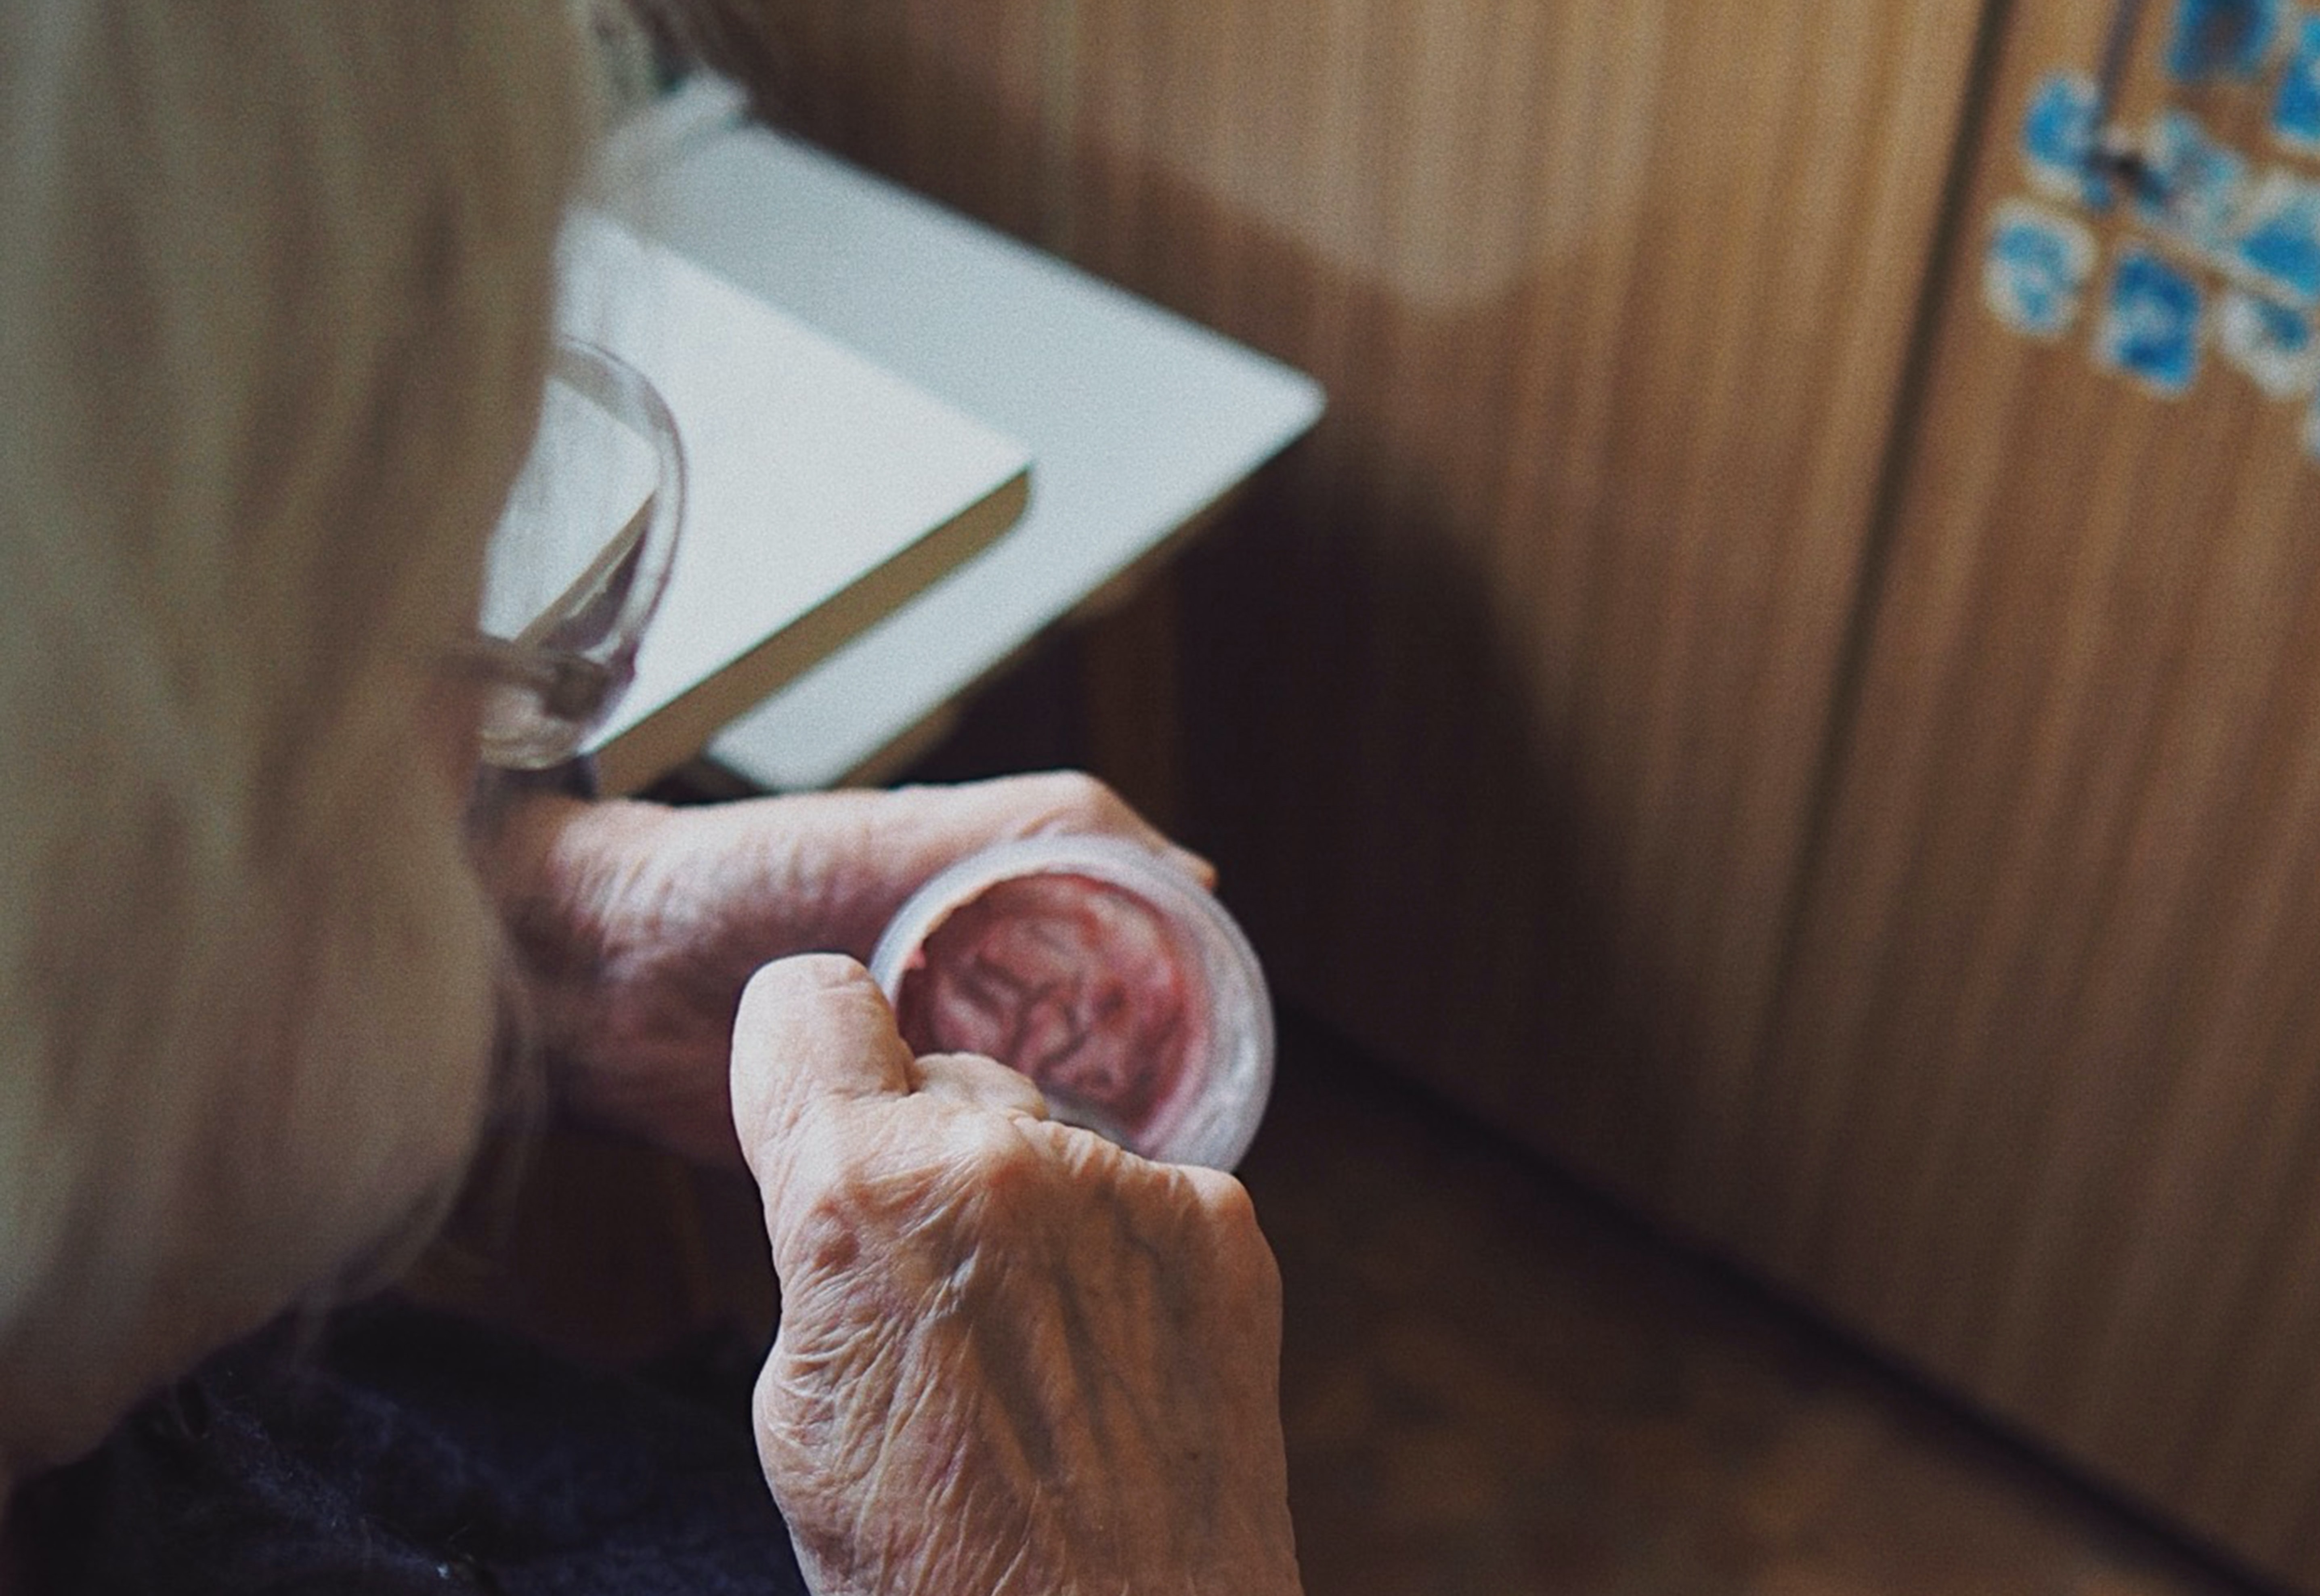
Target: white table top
x=1137, y=419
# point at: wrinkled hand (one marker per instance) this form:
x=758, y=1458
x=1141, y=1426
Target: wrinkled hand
x=636, y=926
x=1013, y=1358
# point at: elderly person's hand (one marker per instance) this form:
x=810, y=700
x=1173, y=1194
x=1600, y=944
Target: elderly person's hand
x=1012, y=1358
x=636, y=925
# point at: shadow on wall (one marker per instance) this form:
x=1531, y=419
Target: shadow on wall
x=1380, y=746
x=1394, y=816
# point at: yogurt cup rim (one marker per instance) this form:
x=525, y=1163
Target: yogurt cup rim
x=1246, y=1019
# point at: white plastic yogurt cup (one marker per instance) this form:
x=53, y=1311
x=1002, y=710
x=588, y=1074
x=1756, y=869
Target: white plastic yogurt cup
x=1113, y=981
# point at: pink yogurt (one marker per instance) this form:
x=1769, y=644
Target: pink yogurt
x=1118, y=985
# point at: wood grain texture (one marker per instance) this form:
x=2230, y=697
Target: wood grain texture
x=1506, y=704
x=1506, y=698
x=2045, y=1080
x=1511, y=697
x=949, y=97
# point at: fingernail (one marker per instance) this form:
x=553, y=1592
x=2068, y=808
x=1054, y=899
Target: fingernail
x=1194, y=865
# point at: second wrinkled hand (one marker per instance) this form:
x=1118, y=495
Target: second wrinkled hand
x=1013, y=1358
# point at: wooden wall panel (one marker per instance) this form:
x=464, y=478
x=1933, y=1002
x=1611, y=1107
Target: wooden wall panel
x=1517, y=700
x=1506, y=702
x=1507, y=713
x=951, y=98
x=2044, y=1082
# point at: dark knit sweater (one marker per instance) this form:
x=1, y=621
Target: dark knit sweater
x=409, y=1452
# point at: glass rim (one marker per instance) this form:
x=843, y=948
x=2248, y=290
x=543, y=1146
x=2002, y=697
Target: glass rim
x=548, y=692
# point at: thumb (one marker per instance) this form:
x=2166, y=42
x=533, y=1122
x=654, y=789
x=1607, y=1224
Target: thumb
x=811, y=1030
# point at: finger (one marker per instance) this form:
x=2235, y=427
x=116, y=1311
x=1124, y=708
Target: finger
x=971, y=1078
x=810, y=1029
x=1184, y=861
x=1079, y=804
x=1053, y=804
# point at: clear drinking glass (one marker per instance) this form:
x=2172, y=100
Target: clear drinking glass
x=579, y=561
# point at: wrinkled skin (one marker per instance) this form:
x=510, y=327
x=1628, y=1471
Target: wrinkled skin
x=1013, y=1358
x=636, y=925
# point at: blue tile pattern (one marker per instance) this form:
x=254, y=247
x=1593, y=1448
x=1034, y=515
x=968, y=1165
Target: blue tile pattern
x=2036, y=270
x=2151, y=329
x=2221, y=39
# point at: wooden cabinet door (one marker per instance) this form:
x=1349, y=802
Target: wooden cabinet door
x=2040, y=1106
x=1504, y=711
x=1713, y=697
x=1505, y=705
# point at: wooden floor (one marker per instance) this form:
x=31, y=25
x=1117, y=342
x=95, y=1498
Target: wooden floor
x=1496, y=1386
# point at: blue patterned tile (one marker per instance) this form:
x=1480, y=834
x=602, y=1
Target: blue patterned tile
x=2221, y=39
x=2035, y=272
x=2271, y=343
x=2151, y=329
